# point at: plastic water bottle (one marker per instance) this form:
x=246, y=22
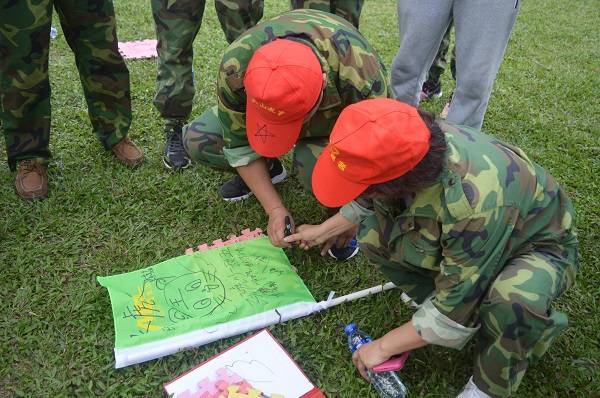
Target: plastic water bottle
x=387, y=384
x=53, y=32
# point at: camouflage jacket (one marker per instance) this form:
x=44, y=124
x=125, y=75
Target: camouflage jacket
x=491, y=204
x=354, y=73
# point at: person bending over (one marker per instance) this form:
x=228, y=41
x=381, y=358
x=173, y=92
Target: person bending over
x=468, y=226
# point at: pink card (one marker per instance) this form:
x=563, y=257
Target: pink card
x=138, y=49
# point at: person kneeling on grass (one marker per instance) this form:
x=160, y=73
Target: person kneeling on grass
x=281, y=86
x=468, y=226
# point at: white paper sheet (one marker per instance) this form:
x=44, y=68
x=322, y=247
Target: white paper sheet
x=260, y=360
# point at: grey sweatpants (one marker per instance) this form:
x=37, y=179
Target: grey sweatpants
x=482, y=30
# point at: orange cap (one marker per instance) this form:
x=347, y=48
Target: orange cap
x=283, y=82
x=373, y=141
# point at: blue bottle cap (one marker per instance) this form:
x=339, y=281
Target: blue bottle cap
x=350, y=328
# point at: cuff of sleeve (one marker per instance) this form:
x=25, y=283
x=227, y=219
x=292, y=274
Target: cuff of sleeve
x=355, y=213
x=436, y=328
x=240, y=156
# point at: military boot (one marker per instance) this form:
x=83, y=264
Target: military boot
x=31, y=181
x=128, y=153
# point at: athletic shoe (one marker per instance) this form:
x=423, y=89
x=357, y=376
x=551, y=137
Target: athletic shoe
x=431, y=90
x=175, y=157
x=446, y=109
x=345, y=253
x=236, y=189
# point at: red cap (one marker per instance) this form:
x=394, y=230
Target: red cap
x=283, y=82
x=373, y=141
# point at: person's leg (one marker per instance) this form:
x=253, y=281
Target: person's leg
x=177, y=23
x=306, y=153
x=347, y=9
x=24, y=84
x=518, y=324
x=25, y=93
x=237, y=16
x=482, y=30
x=453, y=64
x=90, y=31
x=203, y=140
x=437, y=68
x=422, y=26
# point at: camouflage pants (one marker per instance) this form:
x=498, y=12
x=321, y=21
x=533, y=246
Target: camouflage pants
x=518, y=324
x=347, y=9
x=177, y=24
x=440, y=61
x=203, y=141
x=90, y=30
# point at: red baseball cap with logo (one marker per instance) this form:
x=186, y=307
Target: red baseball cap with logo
x=283, y=82
x=373, y=141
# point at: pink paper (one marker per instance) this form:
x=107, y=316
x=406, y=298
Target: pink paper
x=138, y=49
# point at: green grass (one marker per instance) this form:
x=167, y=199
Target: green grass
x=101, y=218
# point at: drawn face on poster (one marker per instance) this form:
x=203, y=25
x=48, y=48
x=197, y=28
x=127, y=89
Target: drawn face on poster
x=192, y=295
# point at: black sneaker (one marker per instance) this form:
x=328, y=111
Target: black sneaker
x=175, y=157
x=431, y=90
x=345, y=253
x=236, y=189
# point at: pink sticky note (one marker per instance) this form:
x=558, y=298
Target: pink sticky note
x=222, y=385
x=207, y=386
x=138, y=49
x=228, y=376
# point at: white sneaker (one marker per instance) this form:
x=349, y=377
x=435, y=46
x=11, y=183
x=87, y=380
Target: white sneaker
x=471, y=391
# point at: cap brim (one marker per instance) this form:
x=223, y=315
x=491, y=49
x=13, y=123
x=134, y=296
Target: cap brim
x=330, y=187
x=268, y=139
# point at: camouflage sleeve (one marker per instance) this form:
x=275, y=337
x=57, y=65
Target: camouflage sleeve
x=436, y=328
x=471, y=254
x=231, y=101
x=356, y=211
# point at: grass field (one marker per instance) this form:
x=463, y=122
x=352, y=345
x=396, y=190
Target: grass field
x=101, y=219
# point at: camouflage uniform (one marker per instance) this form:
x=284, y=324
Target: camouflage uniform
x=347, y=9
x=217, y=138
x=177, y=24
x=494, y=242
x=90, y=30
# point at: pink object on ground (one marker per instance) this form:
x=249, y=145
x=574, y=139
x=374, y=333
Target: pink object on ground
x=138, y=49
x=393, y=364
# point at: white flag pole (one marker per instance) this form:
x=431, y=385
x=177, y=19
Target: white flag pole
x=331, y=302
